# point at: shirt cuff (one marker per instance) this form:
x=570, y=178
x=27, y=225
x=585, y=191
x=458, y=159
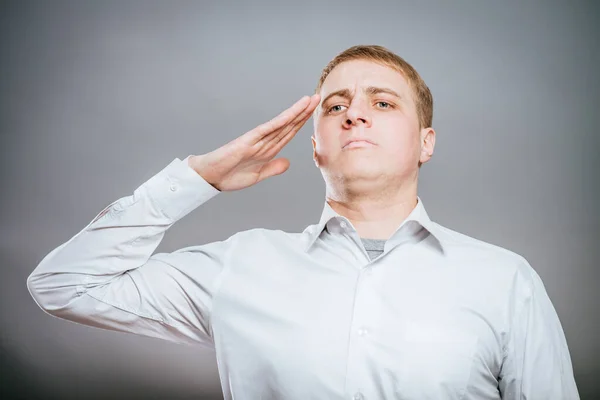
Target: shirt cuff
x=177, y=190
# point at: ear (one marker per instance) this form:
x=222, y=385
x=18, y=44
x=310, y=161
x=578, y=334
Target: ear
x=314, y=144
x=427, y=144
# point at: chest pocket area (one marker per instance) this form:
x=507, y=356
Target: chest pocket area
x=436, y=361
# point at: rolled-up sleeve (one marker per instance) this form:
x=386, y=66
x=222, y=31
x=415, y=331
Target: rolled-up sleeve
x=106, y=276
x=537, y=364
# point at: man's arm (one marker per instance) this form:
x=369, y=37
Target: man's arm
x=537, y=364
x=106, y=276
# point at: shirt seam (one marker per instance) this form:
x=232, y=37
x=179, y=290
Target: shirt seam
x=158, y=319
x=519, y=313
x=127, y=309
x=219, y=283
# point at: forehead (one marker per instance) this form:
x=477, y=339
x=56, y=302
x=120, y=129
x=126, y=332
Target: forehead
x=362, y=73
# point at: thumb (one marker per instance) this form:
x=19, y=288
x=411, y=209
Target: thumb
x=274, y=167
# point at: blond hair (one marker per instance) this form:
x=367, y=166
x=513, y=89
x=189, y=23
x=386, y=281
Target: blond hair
x=379, y=54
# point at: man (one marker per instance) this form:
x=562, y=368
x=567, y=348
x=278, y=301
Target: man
x=375, y=301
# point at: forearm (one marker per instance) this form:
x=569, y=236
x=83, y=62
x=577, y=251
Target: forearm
x=121, y=238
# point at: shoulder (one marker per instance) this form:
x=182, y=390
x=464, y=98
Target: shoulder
x=469, y=248
x=263, y=238
x=458, y=241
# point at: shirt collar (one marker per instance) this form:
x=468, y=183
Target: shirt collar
x=418, y=214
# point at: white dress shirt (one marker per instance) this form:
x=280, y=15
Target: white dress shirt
x=438, y=315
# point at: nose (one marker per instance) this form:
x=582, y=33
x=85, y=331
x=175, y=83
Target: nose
x=356, y=114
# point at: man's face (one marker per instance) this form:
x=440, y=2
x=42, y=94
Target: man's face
x=365, y=100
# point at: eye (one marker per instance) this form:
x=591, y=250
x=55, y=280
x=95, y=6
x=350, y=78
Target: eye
x=383, y=104
x=336, y=108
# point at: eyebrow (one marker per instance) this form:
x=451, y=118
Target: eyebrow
x=371, y=91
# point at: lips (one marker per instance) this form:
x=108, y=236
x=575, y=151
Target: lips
x=358, y=142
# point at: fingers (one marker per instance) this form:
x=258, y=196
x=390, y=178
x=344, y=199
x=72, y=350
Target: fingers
x=282, y=119
x=296, y=122
x=289, y=131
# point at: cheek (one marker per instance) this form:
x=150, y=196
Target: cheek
x=327, y=138
x=402, y=146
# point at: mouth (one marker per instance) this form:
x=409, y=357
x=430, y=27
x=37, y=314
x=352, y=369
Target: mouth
x=358, y=144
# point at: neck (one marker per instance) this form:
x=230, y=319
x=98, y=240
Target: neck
x=374, y=214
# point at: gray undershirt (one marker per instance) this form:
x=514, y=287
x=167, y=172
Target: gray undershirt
x=374, y=247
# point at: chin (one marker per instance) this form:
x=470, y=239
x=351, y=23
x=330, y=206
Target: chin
x=362, y=166
x=367, y=172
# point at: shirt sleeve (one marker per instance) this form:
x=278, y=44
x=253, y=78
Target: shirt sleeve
x=537, y=364
x=106, y=276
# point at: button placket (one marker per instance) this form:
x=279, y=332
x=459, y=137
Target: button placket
x=358, y=348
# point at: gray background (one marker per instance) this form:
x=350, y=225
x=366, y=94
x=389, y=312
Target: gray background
x=96, y=97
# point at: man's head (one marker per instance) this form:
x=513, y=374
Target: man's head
x=371, y=93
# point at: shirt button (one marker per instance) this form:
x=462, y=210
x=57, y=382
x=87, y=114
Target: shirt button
x=358, y=396
x=173, y=188
x=343, y=224
x=362, y=332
